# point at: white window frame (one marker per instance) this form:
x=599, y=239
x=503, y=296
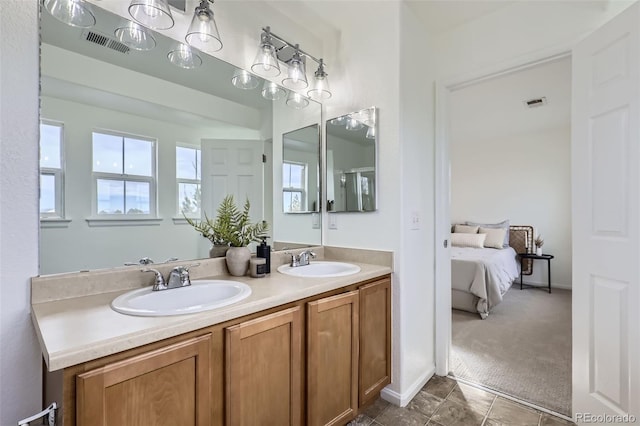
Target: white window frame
x=58, y=174
x=188, y=181
x=302, y=190
x=105, y=219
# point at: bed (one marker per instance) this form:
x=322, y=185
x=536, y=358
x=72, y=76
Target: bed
x=481, y=276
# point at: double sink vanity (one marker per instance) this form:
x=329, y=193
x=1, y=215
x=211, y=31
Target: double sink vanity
x=304, y=345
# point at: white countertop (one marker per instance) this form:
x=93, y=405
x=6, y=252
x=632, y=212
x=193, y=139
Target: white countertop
x=76, y=330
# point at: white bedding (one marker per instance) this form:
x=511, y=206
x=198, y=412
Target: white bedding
x=485, y=273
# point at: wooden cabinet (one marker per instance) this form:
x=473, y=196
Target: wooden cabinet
x=375, y=339
x=263, y=371
x=332, y=359
x=170, y=386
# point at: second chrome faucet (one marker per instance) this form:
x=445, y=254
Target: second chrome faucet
x=302, y=259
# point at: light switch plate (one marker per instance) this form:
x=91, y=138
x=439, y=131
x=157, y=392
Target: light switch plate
x=415, y=221
x=315, y=221
x=333, y=221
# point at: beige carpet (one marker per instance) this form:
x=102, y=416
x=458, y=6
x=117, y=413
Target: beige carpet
x=522, y=349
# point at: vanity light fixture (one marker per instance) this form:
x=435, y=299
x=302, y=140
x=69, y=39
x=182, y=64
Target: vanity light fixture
x=320, y=84
x=339, y=121
x=154, y=14
x=274, y=49
x=203, y=32
x=243, y=79
x=296, y=100
x=353, y=124
x=135, y=36
x=184, y=57
x=272, y=91
x=297, y=75
x=76, y=13
x=371, y=132
x=266, y=62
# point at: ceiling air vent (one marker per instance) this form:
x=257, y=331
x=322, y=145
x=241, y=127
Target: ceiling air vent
x=105, y=41
x=536, y=102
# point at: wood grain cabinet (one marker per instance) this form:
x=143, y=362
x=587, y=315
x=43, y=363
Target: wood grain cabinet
x=170, y=386
x=375, y=339
x=332, y=359
x=263, y=370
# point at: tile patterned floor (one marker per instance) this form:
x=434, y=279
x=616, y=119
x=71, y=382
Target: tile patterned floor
x=444, y=402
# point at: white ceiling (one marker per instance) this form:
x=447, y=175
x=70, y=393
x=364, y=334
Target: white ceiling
x=494, y=108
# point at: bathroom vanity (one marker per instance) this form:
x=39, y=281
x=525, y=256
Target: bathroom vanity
x=297, y=351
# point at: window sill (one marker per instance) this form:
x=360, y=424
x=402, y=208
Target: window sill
x=101, y=221
x=54, y=222
x=182, y=221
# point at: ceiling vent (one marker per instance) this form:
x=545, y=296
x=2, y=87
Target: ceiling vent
x=105, y=41
x=536, y=102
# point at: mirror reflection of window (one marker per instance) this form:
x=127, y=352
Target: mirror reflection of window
x=294, y=187
x=51, y=173
x=123, y=173
x=188, y=176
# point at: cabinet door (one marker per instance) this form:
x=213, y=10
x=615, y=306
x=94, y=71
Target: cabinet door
x=332, y=356
x=375, y=338
x=264, y=370
x=170, y=386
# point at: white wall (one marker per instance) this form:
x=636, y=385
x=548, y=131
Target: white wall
x=20, y=360
x=525, y=178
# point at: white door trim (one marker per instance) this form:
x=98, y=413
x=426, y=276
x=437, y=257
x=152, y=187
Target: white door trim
x=442, y=220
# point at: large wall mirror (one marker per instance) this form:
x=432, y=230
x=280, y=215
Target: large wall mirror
x=352, y=141
x=129, y=141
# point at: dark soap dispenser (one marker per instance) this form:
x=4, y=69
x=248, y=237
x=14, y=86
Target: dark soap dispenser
x=264, y=251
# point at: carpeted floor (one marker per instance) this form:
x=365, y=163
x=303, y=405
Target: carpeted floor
x=522, y=349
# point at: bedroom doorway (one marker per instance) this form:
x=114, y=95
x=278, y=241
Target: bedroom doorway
x=509, y=157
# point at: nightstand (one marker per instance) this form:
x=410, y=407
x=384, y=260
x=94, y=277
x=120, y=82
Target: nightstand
x=534, y=256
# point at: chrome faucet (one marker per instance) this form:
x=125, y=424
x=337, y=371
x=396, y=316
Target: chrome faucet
x=148, y=261
x=178, y=277
x=302, y=259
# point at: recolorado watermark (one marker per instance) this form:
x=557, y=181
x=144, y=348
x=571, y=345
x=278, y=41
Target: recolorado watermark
x=605, y=418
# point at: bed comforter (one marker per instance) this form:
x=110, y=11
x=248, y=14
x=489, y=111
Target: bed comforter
x=486, y=273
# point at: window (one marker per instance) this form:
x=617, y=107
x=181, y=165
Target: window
x=123, y=175
x=188, y=178
x=51, y=174
x=294, y=187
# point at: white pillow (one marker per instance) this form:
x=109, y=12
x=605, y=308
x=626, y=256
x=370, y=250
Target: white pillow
x=468, y=240
x=465, y=229
x=495, y=237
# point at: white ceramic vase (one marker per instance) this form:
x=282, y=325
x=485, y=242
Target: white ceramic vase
x=238, y=260
x=538, y=251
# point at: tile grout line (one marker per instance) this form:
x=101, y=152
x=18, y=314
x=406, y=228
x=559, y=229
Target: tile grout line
x=486, y=416
x=512, y=398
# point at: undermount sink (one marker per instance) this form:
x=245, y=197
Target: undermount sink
x=201, y=295
x=320, y=269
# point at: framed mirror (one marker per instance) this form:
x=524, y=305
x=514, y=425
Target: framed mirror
x=301, y=170
x=352, y=141
x=131, y=141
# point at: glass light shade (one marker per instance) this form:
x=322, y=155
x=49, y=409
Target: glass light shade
x=297, y=75
x=72, y=12
x=340, y=121
x=266, y=62
x=182, y=56
x=319, y=88
x=272, y=91
x=203, y=32
x=371, y=132
x=353, y=124
x=154, y=14
x=297, y=101
x=135, y=36
x=243, y=79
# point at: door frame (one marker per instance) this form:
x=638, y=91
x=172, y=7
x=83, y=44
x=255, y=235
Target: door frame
x=442, y=222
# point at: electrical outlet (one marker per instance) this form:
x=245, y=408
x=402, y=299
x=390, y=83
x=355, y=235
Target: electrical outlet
x=333, y=221
x=415, y=221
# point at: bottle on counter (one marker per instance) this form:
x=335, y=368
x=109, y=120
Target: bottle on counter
x=264, y=251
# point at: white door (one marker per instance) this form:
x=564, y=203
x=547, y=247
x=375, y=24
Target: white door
x=232, y=167
x=606, y=220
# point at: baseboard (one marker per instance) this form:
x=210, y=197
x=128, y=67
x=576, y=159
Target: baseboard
x=404, y=398
x=516, y=283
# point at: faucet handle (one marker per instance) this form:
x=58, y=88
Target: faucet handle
x=159, y=284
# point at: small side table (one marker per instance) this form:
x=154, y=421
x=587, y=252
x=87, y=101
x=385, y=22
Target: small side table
x=534, y=256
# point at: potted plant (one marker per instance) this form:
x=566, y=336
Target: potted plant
x=539, y=242
x=206, y=228
x=232, y=227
